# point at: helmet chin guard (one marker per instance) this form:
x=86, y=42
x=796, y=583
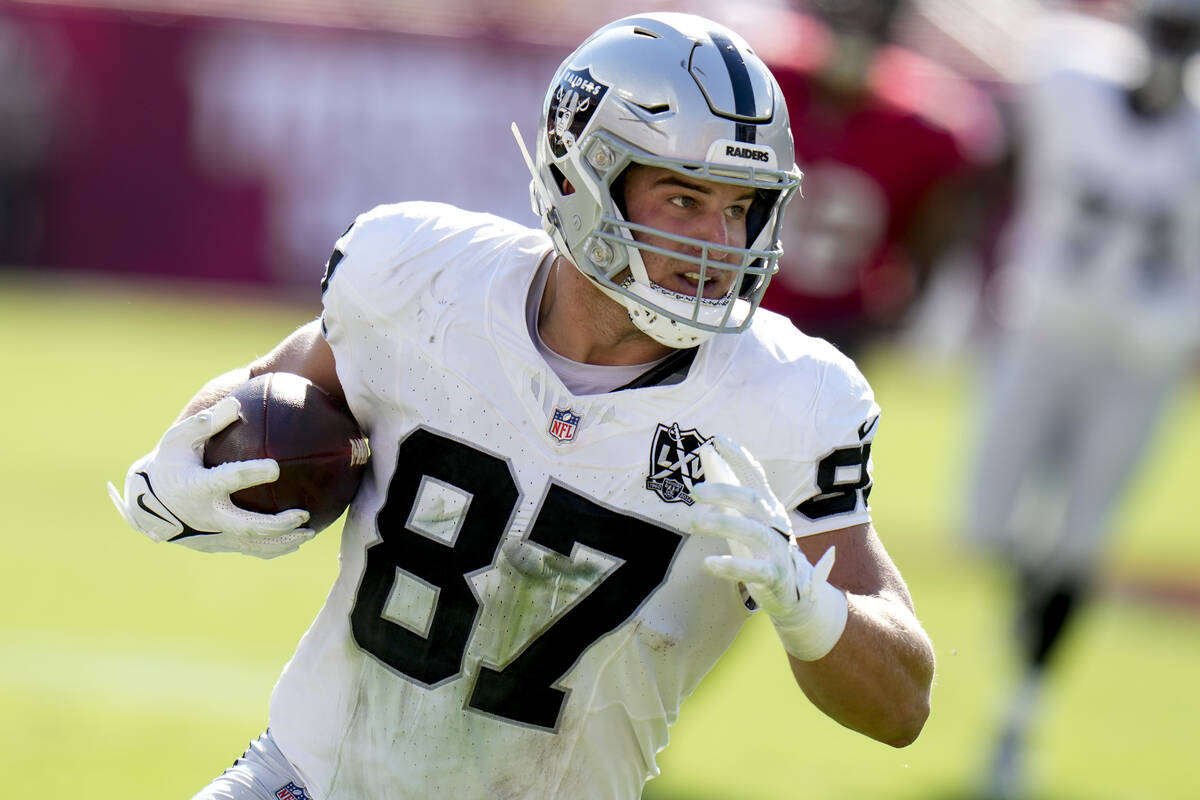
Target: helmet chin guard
x=667, y=329
x=681, y=93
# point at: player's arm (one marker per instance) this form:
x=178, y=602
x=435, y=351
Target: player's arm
x=836, y=600
x=305, y=352
x=877, y=678
x=171, y=496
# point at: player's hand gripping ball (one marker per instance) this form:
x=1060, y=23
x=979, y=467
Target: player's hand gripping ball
x=319, y=447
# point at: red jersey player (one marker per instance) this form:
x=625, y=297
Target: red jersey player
x=888, y=142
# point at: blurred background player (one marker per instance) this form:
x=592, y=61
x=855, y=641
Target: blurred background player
x=894, y=147
x=1098, y=317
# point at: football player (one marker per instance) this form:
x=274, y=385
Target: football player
x=592, y=460
x=1099, y=318
x=896, y=152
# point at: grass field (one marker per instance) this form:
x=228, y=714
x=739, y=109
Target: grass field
x=135, y=671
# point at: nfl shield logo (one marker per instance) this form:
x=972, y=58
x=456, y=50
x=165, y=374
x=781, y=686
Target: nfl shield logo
x=291, y=792
x=564, y=424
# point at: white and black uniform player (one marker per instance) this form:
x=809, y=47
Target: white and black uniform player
x=591, y=459
x=585, y=615
x=1099, y=305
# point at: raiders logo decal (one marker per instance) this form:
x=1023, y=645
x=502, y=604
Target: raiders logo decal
x=675, y=463
x=574, y=103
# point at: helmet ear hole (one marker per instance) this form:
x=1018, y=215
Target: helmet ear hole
x=751, y=283
x=617, y=190
x=760, y=212
x=564, y=186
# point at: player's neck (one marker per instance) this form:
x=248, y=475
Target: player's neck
x=1160, y=93
x=578, y=321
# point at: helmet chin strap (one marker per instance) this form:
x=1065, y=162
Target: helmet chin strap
x=537, y=193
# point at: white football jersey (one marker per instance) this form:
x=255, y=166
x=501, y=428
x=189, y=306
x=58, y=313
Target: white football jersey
x=1106, y=251
x=520, y=611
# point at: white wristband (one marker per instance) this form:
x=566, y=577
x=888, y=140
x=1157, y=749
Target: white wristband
x=811, y=631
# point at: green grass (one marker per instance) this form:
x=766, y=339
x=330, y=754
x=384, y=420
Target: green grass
x=129, y=670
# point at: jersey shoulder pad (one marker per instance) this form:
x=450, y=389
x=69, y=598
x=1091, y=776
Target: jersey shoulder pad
x=393, y=252
x=820, y=396
x=820, y=408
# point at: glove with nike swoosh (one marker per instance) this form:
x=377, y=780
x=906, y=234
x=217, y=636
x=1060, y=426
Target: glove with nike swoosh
x=737, y=503
x=170, y=496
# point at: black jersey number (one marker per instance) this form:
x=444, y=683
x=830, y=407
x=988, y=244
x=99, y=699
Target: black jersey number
x=842, y=476
x=523, y=691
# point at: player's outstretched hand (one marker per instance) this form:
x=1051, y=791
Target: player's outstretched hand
x=170, y=496
x=736, y=502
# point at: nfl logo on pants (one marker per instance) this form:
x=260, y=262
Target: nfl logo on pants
x=292, y=792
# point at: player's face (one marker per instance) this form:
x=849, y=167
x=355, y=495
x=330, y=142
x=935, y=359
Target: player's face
x=704, y=210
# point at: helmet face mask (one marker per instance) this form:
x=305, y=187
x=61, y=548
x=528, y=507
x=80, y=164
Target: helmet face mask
x=678, y=93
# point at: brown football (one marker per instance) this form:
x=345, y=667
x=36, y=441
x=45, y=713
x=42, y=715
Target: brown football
x=320, y=449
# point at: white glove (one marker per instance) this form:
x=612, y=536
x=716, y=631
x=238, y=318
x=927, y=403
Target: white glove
x=170, y=496
x=737, y=503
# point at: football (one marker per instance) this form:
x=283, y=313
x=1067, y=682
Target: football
x=320, y=449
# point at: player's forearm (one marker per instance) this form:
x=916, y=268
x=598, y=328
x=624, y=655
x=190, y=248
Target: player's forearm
x=877, y=679
x=214, y=390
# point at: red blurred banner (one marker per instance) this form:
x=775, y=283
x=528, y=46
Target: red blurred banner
x=240, y=150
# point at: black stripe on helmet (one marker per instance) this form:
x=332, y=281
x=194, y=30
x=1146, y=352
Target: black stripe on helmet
x=743, y=89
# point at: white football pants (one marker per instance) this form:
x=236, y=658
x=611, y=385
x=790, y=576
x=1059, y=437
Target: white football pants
x=262, y=773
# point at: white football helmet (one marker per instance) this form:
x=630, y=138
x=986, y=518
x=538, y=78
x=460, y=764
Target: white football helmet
x=683, y=93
